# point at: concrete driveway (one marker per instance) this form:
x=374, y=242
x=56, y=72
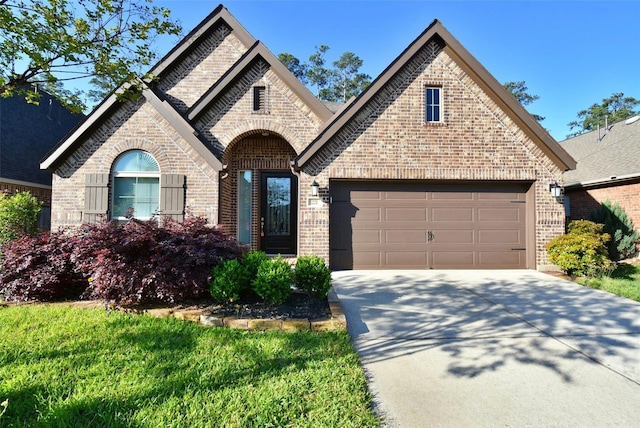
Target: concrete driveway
x=493, y=348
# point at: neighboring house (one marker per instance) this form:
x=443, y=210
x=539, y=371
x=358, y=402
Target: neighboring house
x=434, y=165
x=608, y=168
x=27, y=133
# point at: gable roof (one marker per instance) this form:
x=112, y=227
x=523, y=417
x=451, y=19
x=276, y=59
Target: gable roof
x=473, y=67
x=608, y=155
x=181, y=124
x=259, y=50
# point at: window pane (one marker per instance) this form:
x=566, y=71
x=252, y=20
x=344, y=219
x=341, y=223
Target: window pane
x=137, y=193
x=279, y=206
x=244, y=207
x=136, y=161
x=146, y=197
x=436, y=114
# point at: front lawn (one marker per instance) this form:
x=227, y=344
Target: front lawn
x=62, y=366
x=624, y=281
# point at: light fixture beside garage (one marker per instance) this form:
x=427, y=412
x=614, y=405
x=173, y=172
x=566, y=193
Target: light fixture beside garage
x=555, y=189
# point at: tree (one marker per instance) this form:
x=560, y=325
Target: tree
x=519, y=91
x=48, y=42
x=346, y=81
x=613, y=109
x=295, y=66
x=339, y=83
x=317, y=75
x=18, y=215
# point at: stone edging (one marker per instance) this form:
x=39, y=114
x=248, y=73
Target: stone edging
x=337, y=321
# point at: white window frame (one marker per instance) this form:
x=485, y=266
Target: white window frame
x=132, y=174
x=431, y=106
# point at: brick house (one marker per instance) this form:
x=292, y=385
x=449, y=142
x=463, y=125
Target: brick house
x=27, y=133
x=608, y=168
x=435, y=165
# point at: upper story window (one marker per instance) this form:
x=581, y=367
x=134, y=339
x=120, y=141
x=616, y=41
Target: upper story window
x=433, y=104
x=136, y=186
x=259, y=99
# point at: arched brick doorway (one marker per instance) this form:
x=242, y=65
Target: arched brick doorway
x=258, y=202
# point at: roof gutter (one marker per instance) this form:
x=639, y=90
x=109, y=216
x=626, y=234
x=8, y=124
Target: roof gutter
x=616, y=179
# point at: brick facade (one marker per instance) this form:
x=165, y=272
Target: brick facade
x=583, y=202
x=387, y=140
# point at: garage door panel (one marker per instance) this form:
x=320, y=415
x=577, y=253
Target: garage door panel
x=367, y=259
x=366, y=236
x=423, y=225
x=496, y=259
x=453, y=236
x=452, y=259
x=500, y=214
x=405, y=214
x=452, y=214
x=514, y=237
x=406, y=236
x=406, y=259
x=452, y=196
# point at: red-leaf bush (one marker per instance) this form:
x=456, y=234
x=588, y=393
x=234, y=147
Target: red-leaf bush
x=133, y=263
x=143, y=262
x=40, y=268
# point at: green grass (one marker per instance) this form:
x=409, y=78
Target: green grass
x=624, y=281
x=69, y=367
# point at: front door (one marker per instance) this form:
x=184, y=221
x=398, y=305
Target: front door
x=278, y=213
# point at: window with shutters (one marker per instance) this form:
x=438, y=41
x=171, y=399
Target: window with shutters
x=136, y=186
x=259, y=99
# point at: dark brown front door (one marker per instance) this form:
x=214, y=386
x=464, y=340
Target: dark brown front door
x=421, y=225
x=278, y=212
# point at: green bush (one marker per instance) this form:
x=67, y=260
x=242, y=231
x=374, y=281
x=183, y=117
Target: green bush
x=18, y=215
x=226, y=281
x=273, y=281
x=312, y=276
x=251, y=261
x=582, y=250
x=617, y=224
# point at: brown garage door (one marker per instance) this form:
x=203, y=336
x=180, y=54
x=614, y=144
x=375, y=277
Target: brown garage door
x=417, y=225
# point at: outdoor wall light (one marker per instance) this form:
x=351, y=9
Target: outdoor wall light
x=555, y=189
x=315, y=189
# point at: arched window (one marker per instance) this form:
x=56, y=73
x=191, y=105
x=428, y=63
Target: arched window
x=136, y=186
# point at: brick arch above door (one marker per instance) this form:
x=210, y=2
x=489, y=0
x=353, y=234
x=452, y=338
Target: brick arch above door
x=257, y=153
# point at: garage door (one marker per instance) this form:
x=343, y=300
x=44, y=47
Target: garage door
x=417, y=225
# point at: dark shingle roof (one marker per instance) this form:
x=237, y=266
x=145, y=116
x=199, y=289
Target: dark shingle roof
x=27, y=133
x=612, y=157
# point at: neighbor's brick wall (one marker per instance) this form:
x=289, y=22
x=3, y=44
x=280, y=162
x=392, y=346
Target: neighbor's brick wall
x=476, y=141
x=582, y=202
x=41, y=193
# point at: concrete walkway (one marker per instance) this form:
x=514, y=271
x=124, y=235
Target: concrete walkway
x=493, y=348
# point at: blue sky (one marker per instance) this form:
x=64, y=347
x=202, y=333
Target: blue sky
x=571, y=54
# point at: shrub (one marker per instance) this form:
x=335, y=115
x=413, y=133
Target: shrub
x=273, y=280
x=312, y=276
x=582, y=250
x=617, y=224
x=138, y=262
x=18, y=215
x=227, y=281
x=40, y=268
x=143, y=262
x=251, y=261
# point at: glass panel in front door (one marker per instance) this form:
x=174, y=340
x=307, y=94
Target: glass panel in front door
x=279, y=208
x=278, y=215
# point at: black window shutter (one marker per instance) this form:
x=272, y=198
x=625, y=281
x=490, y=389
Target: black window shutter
x=172, y=196
x=96, y=197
